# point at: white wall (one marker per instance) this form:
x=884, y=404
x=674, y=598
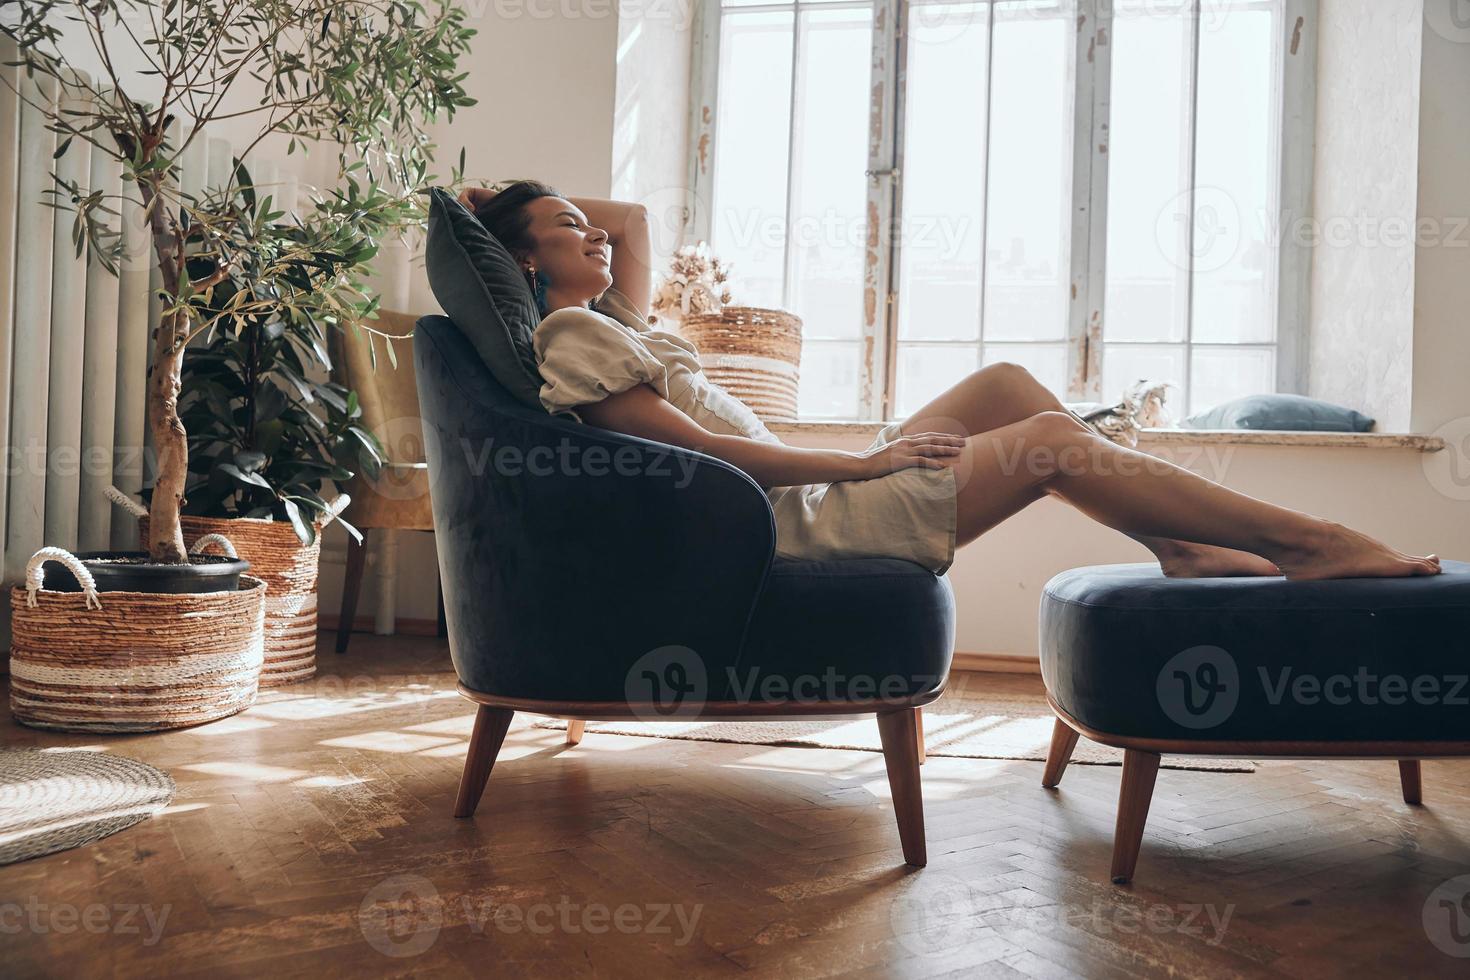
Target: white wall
x=1441, y=381
x=1364, y=201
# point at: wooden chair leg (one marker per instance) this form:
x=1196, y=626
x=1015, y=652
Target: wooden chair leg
x=1139, y=770
x=1412, y=781
x=1063, y=741
x=900, y=734
x=919, y=729
x=575, y=730
x=490, y=727
x=351, y=587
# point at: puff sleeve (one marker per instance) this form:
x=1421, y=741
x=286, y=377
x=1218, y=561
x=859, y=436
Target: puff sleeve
x=584, y=356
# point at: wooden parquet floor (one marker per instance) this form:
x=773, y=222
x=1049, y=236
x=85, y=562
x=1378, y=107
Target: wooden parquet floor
x=311, y=836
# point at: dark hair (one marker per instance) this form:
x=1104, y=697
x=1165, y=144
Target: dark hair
x=505, y=217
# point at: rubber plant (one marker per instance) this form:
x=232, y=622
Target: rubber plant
x=266, y=425
x=364, y=78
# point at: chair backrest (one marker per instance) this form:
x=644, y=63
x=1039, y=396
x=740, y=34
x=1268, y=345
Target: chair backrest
x=387, y=393
x=568, y=551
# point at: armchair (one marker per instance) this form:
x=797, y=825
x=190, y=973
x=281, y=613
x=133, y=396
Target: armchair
x=593, y=575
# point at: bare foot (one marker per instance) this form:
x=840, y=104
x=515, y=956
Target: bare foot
x=1188, y=559
x=1338, y=551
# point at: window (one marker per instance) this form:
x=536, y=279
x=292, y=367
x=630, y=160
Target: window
x=1091, y=188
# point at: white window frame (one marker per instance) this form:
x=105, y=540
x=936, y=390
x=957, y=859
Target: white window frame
x=1092, y=105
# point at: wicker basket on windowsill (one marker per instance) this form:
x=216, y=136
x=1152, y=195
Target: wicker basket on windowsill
x=752, y=352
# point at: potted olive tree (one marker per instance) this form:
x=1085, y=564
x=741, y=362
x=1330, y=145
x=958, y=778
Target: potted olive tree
x=365, y=76
x=362, y=77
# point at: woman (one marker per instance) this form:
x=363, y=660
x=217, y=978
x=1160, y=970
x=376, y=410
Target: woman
x=972, y=457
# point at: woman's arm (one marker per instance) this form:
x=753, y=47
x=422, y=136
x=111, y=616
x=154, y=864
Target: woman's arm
x=631, y=239
x=641, y=411
x=628, y=233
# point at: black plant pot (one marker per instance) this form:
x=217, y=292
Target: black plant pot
x=132, y=571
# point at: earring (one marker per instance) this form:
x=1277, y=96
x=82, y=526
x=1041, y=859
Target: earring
x=538, y=288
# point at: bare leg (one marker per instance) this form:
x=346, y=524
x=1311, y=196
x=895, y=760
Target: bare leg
x=1004, y=469
x=1002, y=393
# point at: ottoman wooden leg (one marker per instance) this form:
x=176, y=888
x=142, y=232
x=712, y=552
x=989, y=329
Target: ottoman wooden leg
x=574, y=731
x=900, y=735
x=490, y=728
x=1139, y=770
x=1413, y=784
x=1063, y=741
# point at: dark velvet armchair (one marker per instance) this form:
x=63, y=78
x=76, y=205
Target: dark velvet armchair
x=592, y=575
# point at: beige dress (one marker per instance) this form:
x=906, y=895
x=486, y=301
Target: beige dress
x=586, y=355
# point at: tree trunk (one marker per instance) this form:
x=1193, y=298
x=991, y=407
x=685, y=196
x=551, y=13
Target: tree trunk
x=170, y=440
x=170, y=443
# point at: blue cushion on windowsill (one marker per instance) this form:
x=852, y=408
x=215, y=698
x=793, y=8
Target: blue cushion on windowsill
x=1281, y=413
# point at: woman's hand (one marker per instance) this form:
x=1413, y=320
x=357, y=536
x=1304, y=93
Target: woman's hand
x=474, y=197
x=924, y=450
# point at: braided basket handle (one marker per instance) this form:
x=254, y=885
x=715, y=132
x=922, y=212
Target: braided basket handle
x=34, y=575
x=335, y=508
x=125, y=502
x=217, y=539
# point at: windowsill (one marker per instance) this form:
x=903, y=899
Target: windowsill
x=1189, y=437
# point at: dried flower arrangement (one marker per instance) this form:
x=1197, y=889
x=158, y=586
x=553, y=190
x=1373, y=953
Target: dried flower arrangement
x=695, y=283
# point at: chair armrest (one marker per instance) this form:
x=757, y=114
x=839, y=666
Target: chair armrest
x=569, y=552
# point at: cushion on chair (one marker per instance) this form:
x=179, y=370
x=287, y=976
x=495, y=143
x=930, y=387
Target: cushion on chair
x=1128, y=651
x=858, y=628
x=481, y=287
x=1280, y=412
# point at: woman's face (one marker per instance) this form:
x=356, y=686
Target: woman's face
x=574, y=257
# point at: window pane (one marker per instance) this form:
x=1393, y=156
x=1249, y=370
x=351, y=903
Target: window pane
x=1225, y=373
x=749, y=208
x=924, y=372
x=1148, y=175
x=1236, y=173
x=1047, y=362
x=943, y=172
x=829, y=380
x=1027, y=265
x=1127, y=364
x=829, y=197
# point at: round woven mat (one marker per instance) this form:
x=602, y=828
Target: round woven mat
x=54, y=799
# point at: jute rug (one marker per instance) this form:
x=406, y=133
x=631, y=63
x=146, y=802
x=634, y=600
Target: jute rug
x=964, y=723
x=54, y=799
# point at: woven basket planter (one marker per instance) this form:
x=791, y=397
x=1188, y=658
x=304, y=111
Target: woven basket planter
x=289, y=570
x=133, y=661
x=753, y=353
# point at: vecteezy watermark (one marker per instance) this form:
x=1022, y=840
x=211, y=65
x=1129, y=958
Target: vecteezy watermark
x=1446, y=917
x=1200, y=687
x=935, y=913
x=593, y=918
x=99, y=918
x=1450, y=19
x=1448, y=472
x=666, y=682
x=1100, y=457
x=402, y=916
x=574, y=458
x=674, y=682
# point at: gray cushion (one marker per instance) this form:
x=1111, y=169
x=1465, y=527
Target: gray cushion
x=478, y=283
x=1281, y=412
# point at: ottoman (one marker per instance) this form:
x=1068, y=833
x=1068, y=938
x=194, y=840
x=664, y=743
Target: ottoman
x=1253, y=667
